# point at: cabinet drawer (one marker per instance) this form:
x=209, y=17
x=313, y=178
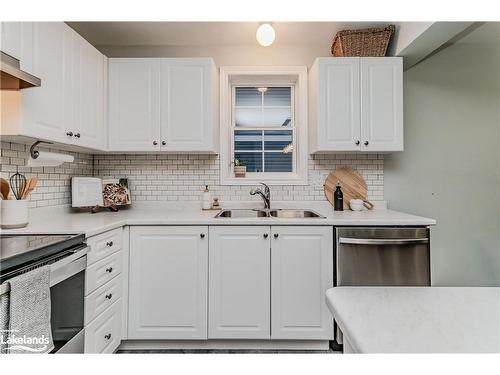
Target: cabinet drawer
x=104, y=244
x=102, y=298
x=102, y=271
x=103, y=335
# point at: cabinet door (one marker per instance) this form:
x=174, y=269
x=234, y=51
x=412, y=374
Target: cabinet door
x=382, y=104
x=187, y=105
x=43, y=107
x=89, y=83
x=339, y=104
x=168, y=283
x=134, y=98
x=301, y=272
x=239, y=283
x=10, y=41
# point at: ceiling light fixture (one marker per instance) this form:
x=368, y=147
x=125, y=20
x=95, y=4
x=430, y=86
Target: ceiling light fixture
x=265, y=35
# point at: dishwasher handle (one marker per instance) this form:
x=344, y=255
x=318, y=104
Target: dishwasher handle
x=383, y=241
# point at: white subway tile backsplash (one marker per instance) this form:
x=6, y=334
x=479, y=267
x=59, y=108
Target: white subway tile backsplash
x=177, y=177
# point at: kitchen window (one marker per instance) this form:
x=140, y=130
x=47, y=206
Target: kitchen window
x=261, y=129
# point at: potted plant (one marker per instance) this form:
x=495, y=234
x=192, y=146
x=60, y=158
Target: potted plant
x=240, y=168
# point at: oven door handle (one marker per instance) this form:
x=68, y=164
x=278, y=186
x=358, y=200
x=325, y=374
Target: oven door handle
x=62, y=269
x=383, y=241
x=69, y=266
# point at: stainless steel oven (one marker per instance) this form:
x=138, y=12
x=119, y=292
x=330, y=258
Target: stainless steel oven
x=67, y=257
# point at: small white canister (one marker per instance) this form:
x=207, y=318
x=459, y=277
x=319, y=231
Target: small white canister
x=14, y=213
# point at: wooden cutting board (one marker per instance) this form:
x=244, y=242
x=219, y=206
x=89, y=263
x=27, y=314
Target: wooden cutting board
x=353, y=185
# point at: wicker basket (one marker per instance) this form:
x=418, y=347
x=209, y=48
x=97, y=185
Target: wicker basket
x=364, y=42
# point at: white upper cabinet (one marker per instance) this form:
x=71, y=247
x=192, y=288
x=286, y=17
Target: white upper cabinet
x=89, y=65
x=382, y=104
x=69, y=105
x=43, y=107
x=11, y=38
x=134, y=104
x=163, y=105
x=239, y=283
x=188, y=104
x=301, y=272
x=335, y=106
x=356, y=104
x=168, y=283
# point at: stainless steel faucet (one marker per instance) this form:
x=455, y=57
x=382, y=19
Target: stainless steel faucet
x=266, y=195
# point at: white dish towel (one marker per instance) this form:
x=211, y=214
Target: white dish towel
x=28, y=313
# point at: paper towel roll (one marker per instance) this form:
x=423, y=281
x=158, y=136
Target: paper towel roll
x=49, y=159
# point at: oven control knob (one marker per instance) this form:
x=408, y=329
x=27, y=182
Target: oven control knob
x=108, y=296
x=110, y=269
x=108, y=336
x=110, y=243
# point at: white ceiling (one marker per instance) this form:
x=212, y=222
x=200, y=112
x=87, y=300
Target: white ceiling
x=208, y=33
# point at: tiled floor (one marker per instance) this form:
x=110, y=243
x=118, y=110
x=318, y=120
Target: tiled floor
x=220, y=351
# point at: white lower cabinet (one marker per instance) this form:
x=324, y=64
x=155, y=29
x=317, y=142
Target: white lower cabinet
x=239, y=283
x=301, y=272
x=103, y=335
x=168, y=282
x=230, y=282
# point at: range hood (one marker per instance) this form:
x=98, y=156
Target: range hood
x=12, y=77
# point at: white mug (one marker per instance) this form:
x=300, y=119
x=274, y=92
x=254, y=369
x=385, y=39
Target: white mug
x=357, y=205
x=14, y=213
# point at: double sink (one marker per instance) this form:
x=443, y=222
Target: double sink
x=280, y=213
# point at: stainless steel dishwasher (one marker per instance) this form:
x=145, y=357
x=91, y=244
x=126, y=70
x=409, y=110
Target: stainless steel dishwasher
x=382, y=256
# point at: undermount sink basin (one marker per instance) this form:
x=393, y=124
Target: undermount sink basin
x=281, y=213
x=294, y=214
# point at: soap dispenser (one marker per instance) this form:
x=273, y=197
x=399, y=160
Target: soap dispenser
x=338, y=198
x=206, y=200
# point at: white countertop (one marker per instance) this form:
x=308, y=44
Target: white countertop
x=66, y=220
x=418, y=319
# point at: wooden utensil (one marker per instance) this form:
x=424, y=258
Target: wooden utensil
x=4, y=188
x=353, y=186
x=30, y=186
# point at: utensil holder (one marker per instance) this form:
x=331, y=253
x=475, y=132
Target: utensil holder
x=14, y=213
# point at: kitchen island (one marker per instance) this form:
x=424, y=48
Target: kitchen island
x=417, y=319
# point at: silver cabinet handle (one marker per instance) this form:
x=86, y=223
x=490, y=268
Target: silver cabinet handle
x=77, y=135
x=109, y=244
x=266, y=235
x=357, y=143
x=366, y=143
x=383, y=241
x=163, y=143
x=155, y=143
x=69, y=133
x=110, y=269
x=108, y=336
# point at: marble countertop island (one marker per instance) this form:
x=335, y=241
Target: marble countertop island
x=417, y=319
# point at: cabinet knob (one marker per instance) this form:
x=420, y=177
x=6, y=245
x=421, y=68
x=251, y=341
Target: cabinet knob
x=110, y=269
x=108, y=336
x=202, y=235
x=109, y=296
x=163, y=143
x=266, y=235
x=77, y=135
x=357, y=142
x=155, y=143
x=366, y=143
x=276, y=235
x=109, y=244
x=69, y=133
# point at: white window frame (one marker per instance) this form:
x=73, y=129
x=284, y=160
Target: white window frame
x=295, y=76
